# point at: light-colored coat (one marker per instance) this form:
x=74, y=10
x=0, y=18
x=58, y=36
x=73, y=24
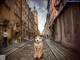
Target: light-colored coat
x=38, y=49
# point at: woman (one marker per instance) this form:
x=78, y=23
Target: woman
x=5, y=36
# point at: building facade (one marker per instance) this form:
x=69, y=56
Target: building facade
x=25, y=18
x=31, y=24
x=35, y=13
x=28, y=21
x=10, y=17
x=18, y=19
x=65, y=22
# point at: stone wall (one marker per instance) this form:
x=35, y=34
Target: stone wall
x=67, y=27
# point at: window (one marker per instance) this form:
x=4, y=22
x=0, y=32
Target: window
x=7, y=2
x=15, y=8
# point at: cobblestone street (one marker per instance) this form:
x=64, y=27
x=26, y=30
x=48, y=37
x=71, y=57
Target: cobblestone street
x=26, y=53
x=51, y=51
x=39, y=29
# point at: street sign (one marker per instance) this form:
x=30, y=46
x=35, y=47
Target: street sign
x=2, y=57
x=73, y=0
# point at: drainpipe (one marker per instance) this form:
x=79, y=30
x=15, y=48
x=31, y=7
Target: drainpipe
x=28, y=27
x=21, y=21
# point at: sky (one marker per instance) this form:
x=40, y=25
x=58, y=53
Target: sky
x=41, y=7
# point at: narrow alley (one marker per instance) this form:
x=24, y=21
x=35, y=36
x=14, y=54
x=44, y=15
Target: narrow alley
x=27, y=52
x=51, y=51
x=39, y=29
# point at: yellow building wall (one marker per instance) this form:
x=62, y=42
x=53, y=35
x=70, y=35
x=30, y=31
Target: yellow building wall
x=8, y=13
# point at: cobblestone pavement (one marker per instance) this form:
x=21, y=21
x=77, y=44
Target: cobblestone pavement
x=27, y=52
x=11, y=48
x=60, y=52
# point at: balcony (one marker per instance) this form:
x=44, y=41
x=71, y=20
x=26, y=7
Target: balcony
x=7, y=3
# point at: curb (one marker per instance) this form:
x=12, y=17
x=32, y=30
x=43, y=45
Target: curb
x=14, y=49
